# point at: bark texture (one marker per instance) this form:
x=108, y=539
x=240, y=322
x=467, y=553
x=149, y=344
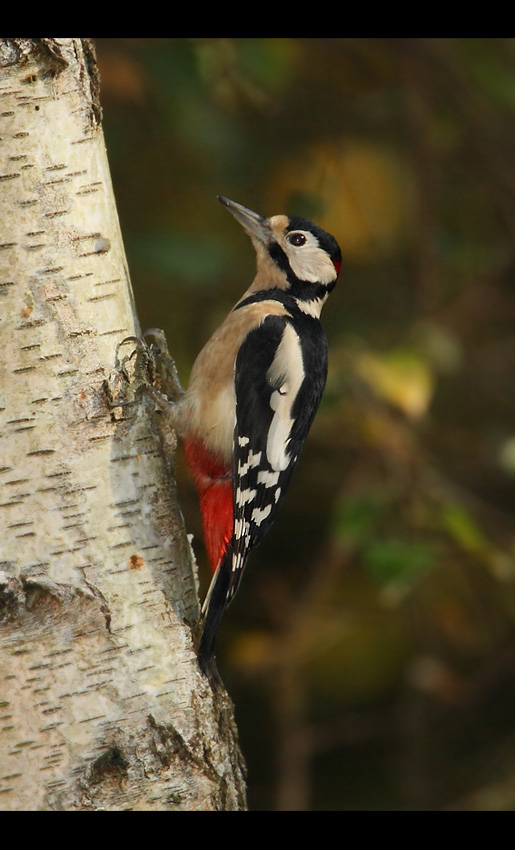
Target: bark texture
x=102, y=705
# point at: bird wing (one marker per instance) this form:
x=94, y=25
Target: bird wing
x=278, y=386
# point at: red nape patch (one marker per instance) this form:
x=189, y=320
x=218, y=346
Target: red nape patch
x=212, y=478
x=337, y=264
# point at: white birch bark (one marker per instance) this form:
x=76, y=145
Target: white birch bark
x=102, y=705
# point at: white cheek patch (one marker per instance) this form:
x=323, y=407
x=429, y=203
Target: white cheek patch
x=310, y=262
x=288, y=369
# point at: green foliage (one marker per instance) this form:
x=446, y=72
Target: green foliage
x=357, y=519
x=464, y=529
x=399, y=561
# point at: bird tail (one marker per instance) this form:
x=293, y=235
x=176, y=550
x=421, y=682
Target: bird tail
x=213, y=610
x=221, y=591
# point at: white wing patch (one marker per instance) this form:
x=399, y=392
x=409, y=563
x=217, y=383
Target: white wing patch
x=245, y=496
x=241, y=528
x=259, y=514
x=237, y=564
x=269, y=479
x=286, y=369
x=253, y=459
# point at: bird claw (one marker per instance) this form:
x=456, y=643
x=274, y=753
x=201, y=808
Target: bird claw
x=148, y=367
x=165, y=370
x=132, y=372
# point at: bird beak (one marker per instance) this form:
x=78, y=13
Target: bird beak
x=256, y=226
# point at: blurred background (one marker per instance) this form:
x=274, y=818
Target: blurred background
x=370, y=651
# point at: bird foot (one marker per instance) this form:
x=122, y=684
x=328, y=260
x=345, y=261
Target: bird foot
x=146, y=367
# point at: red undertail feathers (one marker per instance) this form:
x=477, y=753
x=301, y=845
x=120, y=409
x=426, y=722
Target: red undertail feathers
x=213, y=481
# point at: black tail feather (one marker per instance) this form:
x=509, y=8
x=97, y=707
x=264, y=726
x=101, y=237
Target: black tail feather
x=214, y=609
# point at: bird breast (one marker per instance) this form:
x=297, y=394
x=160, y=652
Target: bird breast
x=209, y=405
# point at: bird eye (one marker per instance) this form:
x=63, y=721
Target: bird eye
x=297, y=239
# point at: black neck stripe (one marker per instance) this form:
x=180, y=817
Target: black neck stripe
x=284, y=298
x=280, y=259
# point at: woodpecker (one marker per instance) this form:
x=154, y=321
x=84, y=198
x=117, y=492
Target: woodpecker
x=253, y=392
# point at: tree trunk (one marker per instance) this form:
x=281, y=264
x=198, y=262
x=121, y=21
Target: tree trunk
x=102, y=705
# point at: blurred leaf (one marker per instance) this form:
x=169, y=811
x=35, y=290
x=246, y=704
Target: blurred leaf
x=507, y=456
x=269, y=61
x=356, y=518
x=361, y=190
x=401, y=378
x=440, y=346
x=253, y=651
x=486, y=61
x=464, y=529
x=245, y=71
x=122, y=77
x=399, y=561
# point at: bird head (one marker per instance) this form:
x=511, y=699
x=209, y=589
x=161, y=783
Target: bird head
x=292, y=253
